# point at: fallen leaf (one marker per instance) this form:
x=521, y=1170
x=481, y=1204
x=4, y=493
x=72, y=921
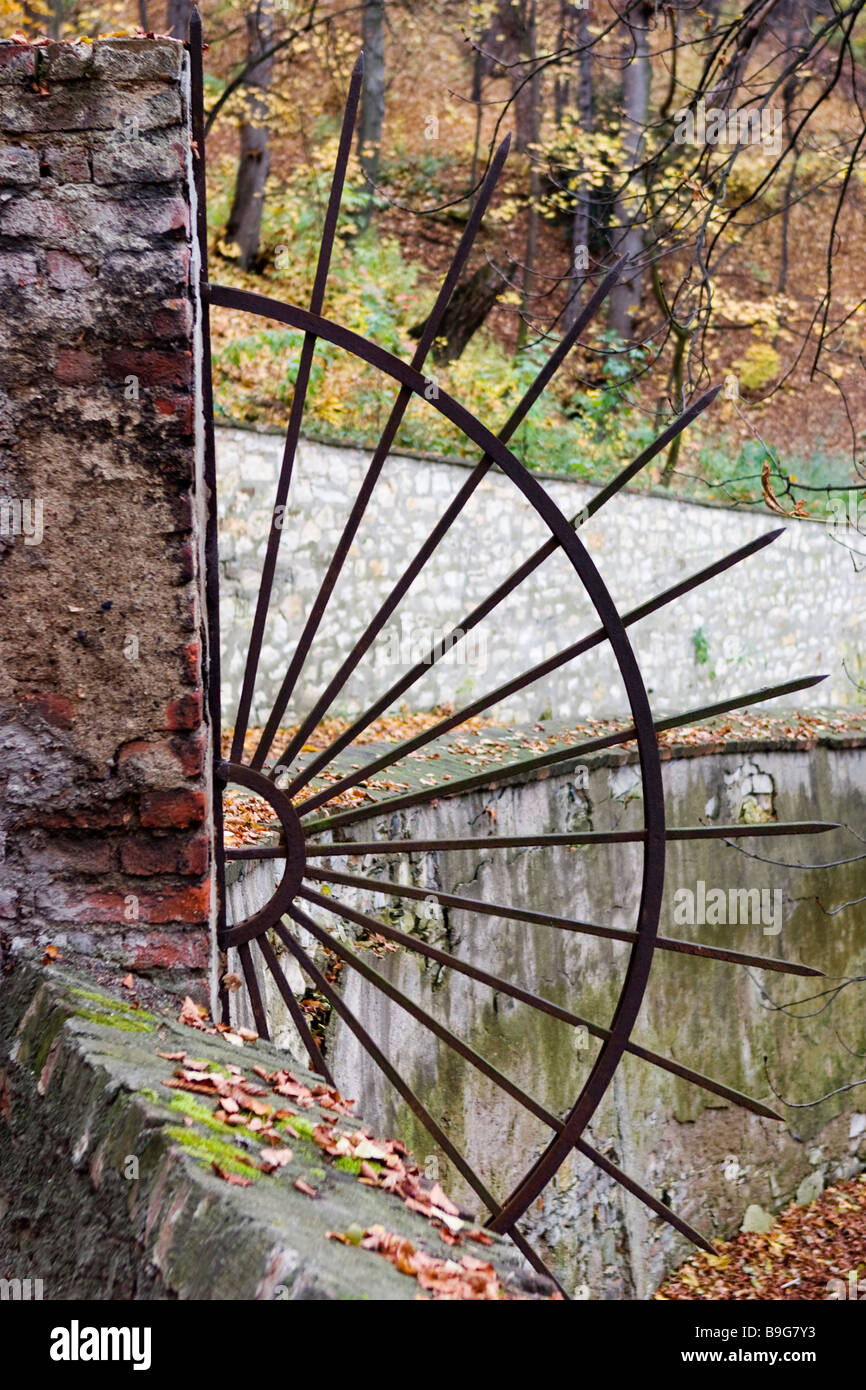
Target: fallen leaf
x=274, y=1158
x=234, y=1178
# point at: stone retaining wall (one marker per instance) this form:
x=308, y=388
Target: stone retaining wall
x=795, y=608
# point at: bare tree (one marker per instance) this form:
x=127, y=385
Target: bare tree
x=628, y=238
x=372, y=114
x=580, y=227
x=244, y=226
x=177, y=17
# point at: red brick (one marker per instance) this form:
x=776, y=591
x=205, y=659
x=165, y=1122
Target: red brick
x=178, y=408
x=185, y=712
x=151, y=763
x=79, y=856
x=57, y=710
x=153, y=368
x=66, y=272
x=76, y=367
x=39, y=220
x=181, y=509
x=172, y=810
x=164, y=951
x=173, y=320
x=167, y=855
x=18, y=165
x=184, y=556
x=76, y=904
x=18, y=268
x=191, y=752
x=90, y=818
x=191, y=658
x=189, y=904
x=66, y=163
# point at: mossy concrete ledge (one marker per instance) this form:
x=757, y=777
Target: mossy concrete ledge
x=107, y=1189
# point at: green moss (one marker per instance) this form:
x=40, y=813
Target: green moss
x=302, y=1126
x=127, y=1025
x=185, y=1104
x=208, y=1149
x=47, y=1039
x=112, y=1006
x=348, y=1165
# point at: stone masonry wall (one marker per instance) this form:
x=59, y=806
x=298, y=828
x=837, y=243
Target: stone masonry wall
x=103, y=802
x=795, y=608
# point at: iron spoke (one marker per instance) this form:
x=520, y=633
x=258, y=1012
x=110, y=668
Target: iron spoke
x=543, y=919
x=641, y=1193
x=298, y=1017
x=302, y=381
x=484, y=702
x=579, y=837
x=253, y=989
x=340, y=1007
x=525, y=766
x=378, y=460
x=536, y=1001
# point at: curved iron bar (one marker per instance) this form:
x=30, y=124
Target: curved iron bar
x=652, y=880
x=415, y=566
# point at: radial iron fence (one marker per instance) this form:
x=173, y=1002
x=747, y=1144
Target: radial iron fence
x=305, y=813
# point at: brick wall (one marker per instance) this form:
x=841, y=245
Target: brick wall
x=103, y=744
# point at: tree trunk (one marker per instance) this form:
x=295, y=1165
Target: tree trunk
x=245, y=219
x=534, y=117
x=628, y=237
x=507, y=44
x=469, y=306
x=477, y=95
x=580, y=225
x=177, y=17
x=372, y=115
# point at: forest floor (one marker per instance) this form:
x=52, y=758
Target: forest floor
x=806, y=1248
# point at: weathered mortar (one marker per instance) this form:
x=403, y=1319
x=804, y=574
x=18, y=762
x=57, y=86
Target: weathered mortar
x=708, y=1158
x=103, y=797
